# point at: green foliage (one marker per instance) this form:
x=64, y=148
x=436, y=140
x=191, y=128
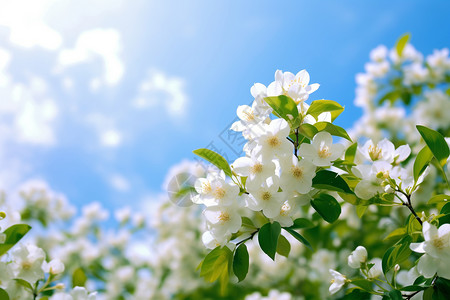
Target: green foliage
x=332, y=129
x=401, y=43
x=79, y=278
x=268, y=238
x=299, y=237
x=302, y=223
x=13, y=234
x=438, y=199
x=241, y=262
x=217, y=266
x=285, y=108
x=308, y=130
x=3, y=295
x=423, y=159
x=396, y=254
x=436, y=142
x=319, y=106
x=351, y=152
x=327, y=207
x=283, y=247
x=214, y=158
x=329, y=180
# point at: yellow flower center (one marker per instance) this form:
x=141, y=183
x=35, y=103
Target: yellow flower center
x=219, y=193
x=26, y=265
x=249, y=116
x=206, y=187
x=224, y=216
x=256, y=168
x=374, y=152
x=297, y=172
x=266, y=196
x=324, y=152
x=273, y=141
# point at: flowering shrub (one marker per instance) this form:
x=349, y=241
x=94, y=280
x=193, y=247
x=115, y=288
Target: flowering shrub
x=294, y=174
x=312, y=211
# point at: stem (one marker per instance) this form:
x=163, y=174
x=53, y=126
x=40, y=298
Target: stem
x=249, y=238
x=409, y=205
x=296, y=142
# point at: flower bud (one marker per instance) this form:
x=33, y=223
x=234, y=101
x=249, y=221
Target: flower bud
x=358, y=256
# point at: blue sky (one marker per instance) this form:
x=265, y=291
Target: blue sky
x=100, y=98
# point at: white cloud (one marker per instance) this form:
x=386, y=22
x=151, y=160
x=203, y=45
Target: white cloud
x=25, y=21
x=106, y=130
x=119, y=183
x=27, y=113
x=93, y=44
x=160, y=89
x=111, y=138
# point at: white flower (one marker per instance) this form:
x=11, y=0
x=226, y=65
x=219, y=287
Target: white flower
x=321, y=151
x=212, y=241
x=27, y=262
x=437, y=251
x=223, y=220
x=372, y=178
x=266, y=197
x=285, y=213
x=376, y=269
x=215, y=191
x=295, y=86
x=78, y=293
x=337, y=282
x=254, y=168
x=357, y=257
x=296, y=176
x=249, y=117
x=54, y=267
x=271, y=139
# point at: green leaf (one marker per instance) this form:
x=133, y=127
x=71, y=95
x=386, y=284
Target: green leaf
x=217, y=266
x=299, y=237
x=401, y=43
x=241, y=262
x=268, y=238
x=413, y=288
x=356, y=294
x=438, y=199
x=3, y=295
x=308, y=130
x=361, y=210
x=332, y=129
x=351, y=152
x=391, y=96
x=329, y=180
x=24, y=283
x=445, y=211
x=396, y=295
x=428, y=293
x=385, y=263
x=13, y=234
x=436, y=142
x=442, y=287
x=214, y=158
x=396, y=234
x=327, y=207
x=302, y=223
x=422, y=161
x=363, y=284
x=283, y=247
x=319, y=106
x=247, y=222
x=79, y=278
x=284, y=106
